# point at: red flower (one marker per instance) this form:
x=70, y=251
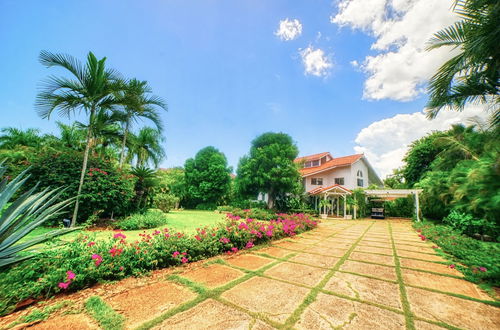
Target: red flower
x=452, y=266
x=90, y=244
x=115, y=252
x=97, y=258
x=184, y=260
x=119, y=235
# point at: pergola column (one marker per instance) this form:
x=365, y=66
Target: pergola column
x=417, y=206
x=345, y=209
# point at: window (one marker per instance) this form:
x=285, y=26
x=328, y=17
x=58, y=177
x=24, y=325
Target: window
x=339, y=181
x=315, y=163
x=360, y=174
x=317, y=181
x=311, y=163
x=307, y=164
x=360, y=182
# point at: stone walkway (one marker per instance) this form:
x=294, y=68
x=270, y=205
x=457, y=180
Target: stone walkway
x=345, y=274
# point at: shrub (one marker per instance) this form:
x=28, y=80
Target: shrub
x=165, y=201
x=254, y=213
x=467, y=224
x=150, y=219
x=83, y=262
x=479, y=261
x=206, y=206
x=106, y=188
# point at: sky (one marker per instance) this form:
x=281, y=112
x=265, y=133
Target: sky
x=346, y=76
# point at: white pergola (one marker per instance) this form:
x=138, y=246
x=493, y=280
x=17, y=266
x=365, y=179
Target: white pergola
x=390, y=194
x=332, y=193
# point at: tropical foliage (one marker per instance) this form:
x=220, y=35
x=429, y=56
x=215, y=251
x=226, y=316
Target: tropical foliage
x=473, y=75
x=20, y=216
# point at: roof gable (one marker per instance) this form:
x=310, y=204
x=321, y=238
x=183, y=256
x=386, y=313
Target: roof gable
x=333, y=163
x=312, y=157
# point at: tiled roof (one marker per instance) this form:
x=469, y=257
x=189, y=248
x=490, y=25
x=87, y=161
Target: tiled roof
x=311, y=157
x=319, y=190
x=335, y=162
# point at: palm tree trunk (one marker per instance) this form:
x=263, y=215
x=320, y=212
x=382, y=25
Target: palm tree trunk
x=122, y=155
x=84, y=169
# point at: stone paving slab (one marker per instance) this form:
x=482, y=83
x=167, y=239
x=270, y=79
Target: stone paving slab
x=75, y=321
x=357, y=280
x=329, y=312
x=274, y=299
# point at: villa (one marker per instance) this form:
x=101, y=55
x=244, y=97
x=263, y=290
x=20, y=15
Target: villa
x=330, y=178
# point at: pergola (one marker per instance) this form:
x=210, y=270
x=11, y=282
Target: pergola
x=334, y=193
x=390, y=194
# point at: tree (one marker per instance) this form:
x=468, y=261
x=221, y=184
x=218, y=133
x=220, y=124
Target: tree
x=12, y=138
x=92, y=88
x=269, y=167
x=207, y=177
x=138, y=103
x=105, y=129
x=473, y=75
x=420, y=156
x=71, y=136
x=146, y=147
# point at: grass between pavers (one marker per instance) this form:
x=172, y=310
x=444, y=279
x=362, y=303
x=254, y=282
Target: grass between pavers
x=409, y=317
x=106, y=316
x=40, y=314
x=311, y=297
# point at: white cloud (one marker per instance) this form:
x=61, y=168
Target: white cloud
x=386, y=141
x=401, y=29
x=289, y=29
x=315, y=61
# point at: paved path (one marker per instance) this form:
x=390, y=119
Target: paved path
x=345, y=274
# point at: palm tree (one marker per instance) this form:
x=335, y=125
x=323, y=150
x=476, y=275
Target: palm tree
x=13, y=137
x=146, y=147
x=91, y=88
x=473, y=75
x=71, y=136
x=105, y=130
x=138, y=103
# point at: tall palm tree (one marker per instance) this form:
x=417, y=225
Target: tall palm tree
x=138, y=103
x=14, y=137
x=71, y=136
x=105, y=130
x=473, y=75
x=146, y=147
x=91, y=88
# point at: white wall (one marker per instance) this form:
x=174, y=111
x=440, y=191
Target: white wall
x=359, y=165
x=329, y=178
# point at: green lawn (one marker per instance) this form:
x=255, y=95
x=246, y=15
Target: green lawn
x=186, y=221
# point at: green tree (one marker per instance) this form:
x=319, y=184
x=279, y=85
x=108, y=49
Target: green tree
x=12, y=138
x=269, y=167
x=71, y=136
x=473, y=75
x=207, y=177
x=420, y=156
x=146, y=147
x=91, y=88
x=139, y=104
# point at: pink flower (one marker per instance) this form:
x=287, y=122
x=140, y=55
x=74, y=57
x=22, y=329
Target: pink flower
x=224, y=240
x=64, y=285
x=184, y=260
x=234, y=249
x=91, y=244
x=71, y=275
x=175, y=254
x=243, y=226
x=249, y=245
x=269, y=233
x=121, y=268
x=483, y=269
x=119, y=235
x=435, y=247
x=452, y=266
x=97, y=258
x=198, y=238
x=167, y=235
x=115, y=252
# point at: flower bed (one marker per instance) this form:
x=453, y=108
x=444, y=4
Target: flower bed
x=479, y=261
x=84, y=262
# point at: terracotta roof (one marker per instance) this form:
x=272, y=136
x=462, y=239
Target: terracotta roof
x=319, y=190
x=310, y=157
x=335, y=162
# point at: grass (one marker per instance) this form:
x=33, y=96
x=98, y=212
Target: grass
x=186, y=221
x=106, y=316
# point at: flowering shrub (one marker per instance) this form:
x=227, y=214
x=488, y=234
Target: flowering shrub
x=479, y=261
x=84, y=262
x=253, y=213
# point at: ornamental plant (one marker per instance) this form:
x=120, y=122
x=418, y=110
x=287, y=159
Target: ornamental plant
x=94, y=261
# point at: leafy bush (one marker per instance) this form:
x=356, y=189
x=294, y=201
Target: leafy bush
x=206, y=206
x=83, y=262
x=165, y=201
x=400, y=207
x=479, y=261
x=106, y=188
x=247, y=204
x=150, y=219
x=467, y=224
x=253, y=213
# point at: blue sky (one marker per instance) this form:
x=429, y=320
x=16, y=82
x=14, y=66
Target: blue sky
x=225, y=74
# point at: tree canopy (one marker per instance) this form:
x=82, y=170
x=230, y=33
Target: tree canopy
x=269, y=167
